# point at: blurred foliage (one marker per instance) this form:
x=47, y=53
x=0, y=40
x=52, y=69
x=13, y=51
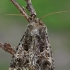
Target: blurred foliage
x=56, y=22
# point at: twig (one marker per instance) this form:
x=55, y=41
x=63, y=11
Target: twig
x=7, y=47
x=30, y=8
x=20, y=9
x=34, y=50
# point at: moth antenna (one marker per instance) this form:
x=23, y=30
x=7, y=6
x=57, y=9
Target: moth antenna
x=14, y=14
x=52, y=13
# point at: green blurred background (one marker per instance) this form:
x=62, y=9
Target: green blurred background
x=12, y=28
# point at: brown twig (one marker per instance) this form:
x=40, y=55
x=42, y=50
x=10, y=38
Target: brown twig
x=20, y=9
x=7, y=47
x=34, y=50
x=30, y=8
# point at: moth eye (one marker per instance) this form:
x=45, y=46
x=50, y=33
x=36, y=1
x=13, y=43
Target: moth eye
x=30, y=19
x=30, y=26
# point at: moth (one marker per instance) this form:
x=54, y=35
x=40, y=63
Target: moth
x=34, y=50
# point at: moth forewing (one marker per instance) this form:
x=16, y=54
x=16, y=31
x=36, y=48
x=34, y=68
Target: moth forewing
x=35, y=48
